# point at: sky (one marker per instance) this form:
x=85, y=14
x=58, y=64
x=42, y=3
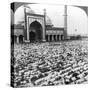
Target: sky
x=77, y=19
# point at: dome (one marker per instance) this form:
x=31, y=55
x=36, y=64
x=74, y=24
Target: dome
x=48, y=21
x=29, y=10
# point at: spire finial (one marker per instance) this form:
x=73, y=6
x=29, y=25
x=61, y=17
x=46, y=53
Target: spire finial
x=44, y=11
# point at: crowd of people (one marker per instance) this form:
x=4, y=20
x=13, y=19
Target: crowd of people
x=54, y=63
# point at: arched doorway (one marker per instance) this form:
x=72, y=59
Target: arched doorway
x=35, y=33
x=21, y=38
x=57, y=37
x=46, y=37
x=14, y=39
x=62, y=37
x=32, y=36
x=50, y=37
x=54, y=37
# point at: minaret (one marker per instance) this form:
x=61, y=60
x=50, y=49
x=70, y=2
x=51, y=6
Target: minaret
x=65, y=22
x=44, y=27
x=25, y=33
x=45, y=18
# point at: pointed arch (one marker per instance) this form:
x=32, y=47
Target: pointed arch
x=35, y=31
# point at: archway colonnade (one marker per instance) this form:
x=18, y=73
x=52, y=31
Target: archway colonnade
x=17, y=39
x=54, y=38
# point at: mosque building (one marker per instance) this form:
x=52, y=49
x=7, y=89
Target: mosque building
x=38, y=28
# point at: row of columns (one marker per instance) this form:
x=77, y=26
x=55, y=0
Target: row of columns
x=48, y=38
x=55, y=37
x=16, y=39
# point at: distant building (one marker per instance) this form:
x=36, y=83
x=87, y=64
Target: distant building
x=37, y=28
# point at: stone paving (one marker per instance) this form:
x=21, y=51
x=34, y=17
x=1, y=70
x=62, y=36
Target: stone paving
x=47, y=64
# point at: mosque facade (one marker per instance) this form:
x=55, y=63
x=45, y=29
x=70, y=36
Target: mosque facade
x=36, y=28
